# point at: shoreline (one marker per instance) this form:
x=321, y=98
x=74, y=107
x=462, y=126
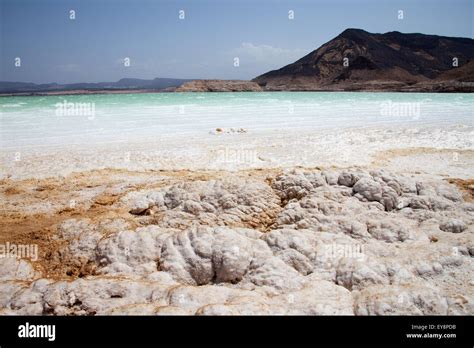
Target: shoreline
x=469, y=88
x=352, y=146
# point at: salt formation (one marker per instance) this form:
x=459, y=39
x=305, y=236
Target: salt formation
x=302, y=242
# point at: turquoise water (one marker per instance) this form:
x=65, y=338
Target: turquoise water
x=53, y=120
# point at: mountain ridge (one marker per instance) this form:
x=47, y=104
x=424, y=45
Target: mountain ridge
x=389, y=61
x=157, y=83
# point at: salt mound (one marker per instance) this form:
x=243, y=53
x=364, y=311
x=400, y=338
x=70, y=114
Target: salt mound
x=301, y=242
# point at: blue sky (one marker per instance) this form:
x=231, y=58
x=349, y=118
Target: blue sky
x=92, y=47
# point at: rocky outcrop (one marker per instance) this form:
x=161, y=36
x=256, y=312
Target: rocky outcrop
x=358, y=60
x=309, y=242
x=219, y=86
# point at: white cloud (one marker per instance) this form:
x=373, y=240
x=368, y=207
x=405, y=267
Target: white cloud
x=274, y=56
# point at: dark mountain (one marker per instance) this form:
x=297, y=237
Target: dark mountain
x=122, y=84
x=390, y=61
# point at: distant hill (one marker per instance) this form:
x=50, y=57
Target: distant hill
x=122, y=84
x=390, y=61
x=219, y=86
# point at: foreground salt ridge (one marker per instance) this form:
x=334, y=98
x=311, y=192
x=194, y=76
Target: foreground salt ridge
x=345, y=242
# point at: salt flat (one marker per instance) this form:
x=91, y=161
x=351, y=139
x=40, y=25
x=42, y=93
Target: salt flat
x=240, y=205
x=229, y=131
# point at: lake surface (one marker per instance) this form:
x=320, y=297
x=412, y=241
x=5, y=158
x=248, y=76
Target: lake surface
x=88, y=119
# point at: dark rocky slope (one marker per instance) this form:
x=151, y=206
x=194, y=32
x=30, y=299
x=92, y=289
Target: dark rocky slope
x=390, y=61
